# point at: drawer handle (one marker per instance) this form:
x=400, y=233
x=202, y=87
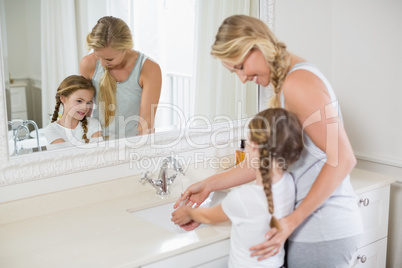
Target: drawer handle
x=364, y=201
x=362, y=258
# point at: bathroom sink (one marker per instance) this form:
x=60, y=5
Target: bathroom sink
x=161, y=215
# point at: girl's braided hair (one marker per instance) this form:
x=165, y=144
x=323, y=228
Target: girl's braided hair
x=278, y=135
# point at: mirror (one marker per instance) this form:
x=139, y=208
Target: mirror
x=178, y=36
x=24, y=13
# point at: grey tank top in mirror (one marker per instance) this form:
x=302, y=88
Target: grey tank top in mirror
x=128, y=100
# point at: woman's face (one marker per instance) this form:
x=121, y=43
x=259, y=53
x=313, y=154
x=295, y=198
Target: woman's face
x=252, y=68
x=77, y=104
x=110, y=57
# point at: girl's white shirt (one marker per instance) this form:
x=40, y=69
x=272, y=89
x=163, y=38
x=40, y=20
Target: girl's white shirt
x=247, y=208
x=72, y=137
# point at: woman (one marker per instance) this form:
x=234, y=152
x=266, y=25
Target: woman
x=128, y=83
x=323, y=230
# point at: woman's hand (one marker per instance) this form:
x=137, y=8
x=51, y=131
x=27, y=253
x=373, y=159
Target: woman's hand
x=194, y=195
x=275, y=240
x=181, y=215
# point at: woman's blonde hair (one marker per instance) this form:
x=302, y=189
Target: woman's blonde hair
x=113, y=33
x=278, y=135
x=239, y=34
x=68, y=86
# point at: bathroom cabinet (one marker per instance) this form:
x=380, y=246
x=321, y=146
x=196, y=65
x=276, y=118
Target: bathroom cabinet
x=18, y=101
x=373, y=191
x=374, y=207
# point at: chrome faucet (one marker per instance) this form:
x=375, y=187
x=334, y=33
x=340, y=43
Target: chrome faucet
x=164, y=181
x=16, y=126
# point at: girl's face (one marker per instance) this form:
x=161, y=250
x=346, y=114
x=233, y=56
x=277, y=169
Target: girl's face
x=252, y=68
x=110, y=57
x=77, y=104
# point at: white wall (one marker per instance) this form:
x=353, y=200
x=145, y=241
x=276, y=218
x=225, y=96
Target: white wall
x=305, y=27
x=358, y=46
x=367, y=60
x=23, y=38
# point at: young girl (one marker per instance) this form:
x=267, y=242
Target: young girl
x=75, y=93
x=275, y=142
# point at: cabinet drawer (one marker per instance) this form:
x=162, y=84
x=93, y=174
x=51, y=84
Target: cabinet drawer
x=374, y=208
x=371, y=256
x=213, y=255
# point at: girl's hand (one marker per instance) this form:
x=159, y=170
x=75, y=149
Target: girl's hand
x=181, y=215
x=275, y=240
x=191, y=225
x=194, y=195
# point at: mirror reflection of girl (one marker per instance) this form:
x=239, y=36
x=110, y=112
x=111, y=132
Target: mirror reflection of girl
x=274, y=143
x=75, y=94
x=128, y=83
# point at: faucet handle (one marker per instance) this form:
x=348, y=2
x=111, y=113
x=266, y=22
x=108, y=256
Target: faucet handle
x=177, y=166
x=181, y=171
x=144, y=176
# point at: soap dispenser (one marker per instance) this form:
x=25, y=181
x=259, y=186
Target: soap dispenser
x=240, y=153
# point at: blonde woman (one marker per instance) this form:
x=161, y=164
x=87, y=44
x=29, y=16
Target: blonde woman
x=128, y=83
x=274, y=143
x=324, y=228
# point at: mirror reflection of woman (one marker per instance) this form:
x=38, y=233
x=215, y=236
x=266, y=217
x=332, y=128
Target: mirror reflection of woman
x=75, y=94
x=128, y=83
x=325, y=226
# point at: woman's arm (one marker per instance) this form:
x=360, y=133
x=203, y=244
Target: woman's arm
x=88, y=66
x=307, y=97
x=185, y=214
x=87, y=70
x=151, y=83
x=199, y=191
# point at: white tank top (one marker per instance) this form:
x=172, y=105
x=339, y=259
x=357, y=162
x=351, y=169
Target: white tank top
x=339, y=216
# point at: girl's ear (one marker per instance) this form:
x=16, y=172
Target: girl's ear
x=63, y=99
x=254, y=146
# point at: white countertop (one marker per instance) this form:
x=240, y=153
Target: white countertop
x=105, y=234
x=99, y=235
x=364, y=181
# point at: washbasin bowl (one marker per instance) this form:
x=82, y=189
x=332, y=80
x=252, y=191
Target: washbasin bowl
x=161, y=215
